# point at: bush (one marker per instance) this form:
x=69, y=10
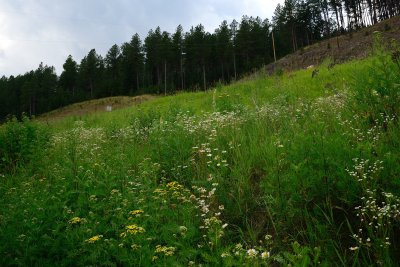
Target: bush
x=19, y=142
x=377, y=91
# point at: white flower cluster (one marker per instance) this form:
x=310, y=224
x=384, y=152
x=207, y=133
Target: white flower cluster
x=375, y=215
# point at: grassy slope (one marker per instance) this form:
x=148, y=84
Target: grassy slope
x=251, y=91
x=355, y=45
x=202, y=178
x=93, y=106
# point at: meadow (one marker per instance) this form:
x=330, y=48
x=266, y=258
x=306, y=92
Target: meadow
x=281, y=170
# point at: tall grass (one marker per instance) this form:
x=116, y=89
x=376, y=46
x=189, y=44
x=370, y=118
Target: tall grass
x=289, y=169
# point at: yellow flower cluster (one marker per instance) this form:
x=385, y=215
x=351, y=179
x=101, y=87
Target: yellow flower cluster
x=167, y=251
x=133, y=229
x=135, y=246
x=93, y=239
x=75, y=220
x=136, y=212
x=174, y=186
x=160, y=191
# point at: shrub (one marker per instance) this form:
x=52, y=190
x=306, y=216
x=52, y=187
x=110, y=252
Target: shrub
x=19, y=142
x=377, y=91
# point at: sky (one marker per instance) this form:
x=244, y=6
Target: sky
x=34, y=31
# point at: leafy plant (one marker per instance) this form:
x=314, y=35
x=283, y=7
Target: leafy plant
x=20, y=142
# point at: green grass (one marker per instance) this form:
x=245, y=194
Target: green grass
x=278, y=170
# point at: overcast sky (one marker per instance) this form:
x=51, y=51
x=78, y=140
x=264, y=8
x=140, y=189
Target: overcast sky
x=34, y=31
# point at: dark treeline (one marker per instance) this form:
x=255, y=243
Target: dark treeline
x=164, y=63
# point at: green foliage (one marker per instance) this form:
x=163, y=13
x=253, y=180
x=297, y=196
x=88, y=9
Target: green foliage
x=280, y=170
x=20, y=142
x=303, y=256
x=378, y=90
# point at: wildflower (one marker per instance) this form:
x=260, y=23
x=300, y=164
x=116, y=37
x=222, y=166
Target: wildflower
x=75, y=220
x=167, y=251
x=225, y=254
x=265, y=255
x=238, y=246
x=174, y=186
x=133, y=229
x=252, y=253
x=354, y=248
x=136, y=212
x=114, y=191
x=135, y=246
x=268, y=237
x=93, y=239
x=159, y=191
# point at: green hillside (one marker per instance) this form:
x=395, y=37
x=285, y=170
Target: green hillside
x=293, y=169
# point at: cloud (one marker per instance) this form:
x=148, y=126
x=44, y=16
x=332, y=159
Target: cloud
x=34, y=31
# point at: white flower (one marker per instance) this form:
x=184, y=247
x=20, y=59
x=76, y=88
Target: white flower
x=225, y=254
x=252, y=253
x=265, y=255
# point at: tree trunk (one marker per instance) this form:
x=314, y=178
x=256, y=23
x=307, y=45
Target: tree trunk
x=234, y=64
x=273, y=47
x=222, y=70
x=137, y=81
x=158, y=79
x=293, y=40
x=182, y=73
x=91, y=88
x=165, y=77
x=204, y=77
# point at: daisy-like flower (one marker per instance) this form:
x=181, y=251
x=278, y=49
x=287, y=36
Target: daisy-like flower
x=167, y=251
x=265, y=255
x=133, y=229
x=252, y=253
x=94, y=239
x=174, y=186
x=75, y=220
x=136, y=212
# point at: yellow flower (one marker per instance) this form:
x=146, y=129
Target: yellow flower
x=93, y=239
x=167, y=251
x=159, y=191
x=136, y=212
x=135, y=246
x=174, y=186
x=75, y=220
x=133, y=229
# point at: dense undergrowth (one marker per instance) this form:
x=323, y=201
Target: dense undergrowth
x=281, y=170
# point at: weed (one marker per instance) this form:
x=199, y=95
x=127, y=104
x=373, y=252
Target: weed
x=268, y=171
